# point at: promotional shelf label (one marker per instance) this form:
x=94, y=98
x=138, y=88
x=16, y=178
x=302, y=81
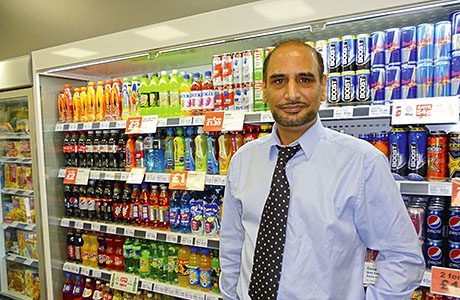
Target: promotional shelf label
x=124, y=282
x=187, y=180
x=147, y=124
x=455, y=200
x=439, y=110
x=213, y=121
x=76, y=176
x=445, y=281
x=136, y=176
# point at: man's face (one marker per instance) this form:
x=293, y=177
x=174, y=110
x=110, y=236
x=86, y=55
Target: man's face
x=293, y=88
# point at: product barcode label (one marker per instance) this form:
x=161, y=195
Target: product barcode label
x=171, y=238
x=79, y=225
x=59, y=127
x=201, y=242
x=129, y=231
x=150, y=235
x=87, y=126
x=84, y=271
x=96, y=227
x=111, y=229
x=97, y=273
x=65, y=222
x=145, y=285
x=186, y=240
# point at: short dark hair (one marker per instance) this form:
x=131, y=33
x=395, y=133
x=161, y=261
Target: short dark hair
x=298, y=42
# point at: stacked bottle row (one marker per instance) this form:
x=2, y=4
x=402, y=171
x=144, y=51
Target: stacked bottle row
x=147, y=205
x=187, y=148
x=170, y=263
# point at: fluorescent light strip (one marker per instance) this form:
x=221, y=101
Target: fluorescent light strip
x=95, y=63
x=192, y=46
x=272, y=32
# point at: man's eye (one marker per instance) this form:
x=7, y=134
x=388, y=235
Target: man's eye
x=305, y=79
x=278, y=81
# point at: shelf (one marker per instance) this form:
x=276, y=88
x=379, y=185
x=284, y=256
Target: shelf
x=371, y=274
x=14, y=295
x=144, y=233
x=19, y=160
x=426, y=188
x=22, y=260
x=144, y=284
x=19, y=225
x=17, y=192
x=14, y=136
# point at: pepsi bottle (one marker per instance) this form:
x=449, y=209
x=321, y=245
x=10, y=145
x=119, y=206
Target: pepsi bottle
x=69, y=206
x=97, y=150
x=82, y=150
x=91, y=199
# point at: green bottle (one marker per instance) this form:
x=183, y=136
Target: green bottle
x=200, y=151
x=144, y=91
x=174, y=94
x=172, y=263
x=128, y=255
x=153, y=261
x=144, y=261
x=136, y=255
x=154, y=95
x=163, y=262
x=215, y=271
x=163, y=91
x=179, y=150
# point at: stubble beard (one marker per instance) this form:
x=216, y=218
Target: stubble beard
x=294, y=122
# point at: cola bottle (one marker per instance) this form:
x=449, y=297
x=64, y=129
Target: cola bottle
x=117, y=203
x=91, y=199
x=96, y=150
x=90, y=150
x=83, y=202
x=107, y=207
x=104, y=150
x=66, y=149
x=76, y=201
x=99, y=191
x=82, y=150
x=112, y=151
x=68, y=201
x=121, y=152
x=78, y=242
x=73, y=149
x=126, y=213
x=70, y=245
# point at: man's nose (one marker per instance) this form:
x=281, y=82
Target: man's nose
x=292, y=90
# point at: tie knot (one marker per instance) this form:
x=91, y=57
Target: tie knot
x=286, y=153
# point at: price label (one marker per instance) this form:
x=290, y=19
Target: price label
x=109, y=175
x=219, y=179
x=439, y=189
x=124, y=176
x=213, y=121
x=65, y=222
x=195, y=181
x=178, y=180
x=162, y=122
x=370, y=273
x=426, y=279
x=212, y=297
x=150, y=177
x=209, y=180
x=186, y=240
x=233, y=121
x=145, y=285
x=136, y=176
x=345, y=112
x=73, y=126
x=95, y=175
x=120, y=124
x=171, y=238
x=30, y=227
x=445, y=281
x=84, y=271
x=151, y=235
x=29, y=261
x=12, y=257
x=163, y=177
x=201, y=242
x=133, y=125
x=266, y=117
x=129, y=231
x=186, y=121
x=158, y=288
x=149, y=124
x=71, y=268
x=455, y=199
x=198, y=120
x=379, y=110
x=61, y=173
x=76, y=176
x=97, y=273
x=439, y=110
x=111, y=229
x=124, y=282
x=79, y=225
x=59, y=127
x=96, y=227
x=105, y=125
x=87, y=126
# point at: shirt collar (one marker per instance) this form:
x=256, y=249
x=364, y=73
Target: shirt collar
x=307, y=141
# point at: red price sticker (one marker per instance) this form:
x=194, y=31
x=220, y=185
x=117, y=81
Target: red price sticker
x=213, y=121
x=70, y=176
x=445, y=281
x=423, y=110
x=455, y=200
x=133, y=126
x=178, y=180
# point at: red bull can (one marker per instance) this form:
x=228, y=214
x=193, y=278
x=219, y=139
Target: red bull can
x=348, y=53
x=334, y=55
x=393, y=47
x=425, y=80
x=442, y=40
x=248, y=66
x=334, y=88
x=363, y=51
x=408, y=82
x=348, y=86
x=442, y=79
x=237, y=67
x=321, y=47
x=363, y=91
x=453, y=257
x=425, y=42
x=378, y=49
x=455, y=74
x=409, y=45
x=377, y=84
x=455, y=19
x=392, y=83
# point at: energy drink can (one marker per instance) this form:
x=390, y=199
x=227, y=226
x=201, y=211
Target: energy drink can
x=417, y=153
x=455, y=73
x=348, y=53
x=363, y=51
x=425, y=42
x=436, y=156
x=409, y=45
x=377, y=84
x=393, y=47
x=454, y=154
x=321, y=47
x=363, y=91
x=334, y=88
x=334, y=55
x=408, y=82
x=378, y=49
x=425, y=80
x=348, y=86
x=442, y=79
x=455, y=19
x=392, y=83
x=442, y=40
x=397, y=138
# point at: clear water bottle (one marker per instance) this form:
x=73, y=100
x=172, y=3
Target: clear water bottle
x=149, y=159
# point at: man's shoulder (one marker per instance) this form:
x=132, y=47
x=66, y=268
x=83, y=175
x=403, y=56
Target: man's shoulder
x=254, y=147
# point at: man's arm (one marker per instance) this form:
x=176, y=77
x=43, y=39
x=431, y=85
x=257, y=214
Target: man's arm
x=384, y=224
x=231, y=238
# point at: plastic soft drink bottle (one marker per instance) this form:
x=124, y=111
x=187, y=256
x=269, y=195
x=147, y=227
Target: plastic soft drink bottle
x=83, y=102
x=104, y=150
x=91, y=199
x=189, y=150
x=208, y=92
x=185, y=212
x=144, y=261
x=128, y=255
x=149, y=158
x=144, y=92
x=158, y=154
x=109, y=252
x=135, y=96
x=174, y=211
x=93, y=250
x=116, y=100
x=89, y=150
x=163, y=208
x=108, y=100
x=78, y=245
x=88, y=290
x=67, y=201
x=121, y=152
x=96, y=150
x=212, y=154
x=119, y=262
x=126, y=212
x=108, y=293
x=162, y=252
x=201, y=151
x=112, y=157
x=179, y=150
x=126, y=98
x=81, y=150
x=139, y=151
x=172, y=263
x=69, y=109
x=98, y=291
x=163, y=90
x=130, y=153
x=174, y=94
x=194, y=269
x=196, y=95
x=237, y=141
x=73, y=149
x=85, y=249
x=215, y=271
x=153, y=206
x=100, y=101
x=183, y=260
x=76, y=105
x=185, y=96
x=154, y=97
x=101, y=251
x=135, y=205
x=61, y=107
x=136, y=255
x=144, y=203
x=169, y=150
x=78, y=287
x=91, y=102
x=225, y=152
x=68, y=288
x=205, y=270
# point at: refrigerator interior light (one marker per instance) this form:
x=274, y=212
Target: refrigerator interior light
x=192, y=46
x=280, y=10
x=262, y=34
x=75, y=52
x=161, y=33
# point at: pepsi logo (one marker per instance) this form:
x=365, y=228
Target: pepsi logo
x=434, y=222
x=454, y=223
x=434, y=253
x=454, y=255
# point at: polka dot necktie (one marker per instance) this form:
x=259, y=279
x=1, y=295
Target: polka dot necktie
x=268, y=254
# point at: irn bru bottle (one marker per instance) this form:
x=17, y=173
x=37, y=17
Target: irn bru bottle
x=135, y=96
x=108, y=100
x=174, y=94
x=130, y=153
x=163, y=86
x=77, y=107
x=126, y=98
x=194, y=269
x=208, y=92
x=225, y=152
x=83, y=103
x=91, y=102
x=116, y=99
x=183, y=260
x=61, y=107
x=185, y=97
x=196, y=95
x=100, y=101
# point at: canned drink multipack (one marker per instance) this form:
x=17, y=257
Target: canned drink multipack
x=363, y=90
x=425, y=80
x=425, y=42
x=393, y=47
x=442, y=79
x=228, y=97
x=417, y=153
x=334, y=88
x=377, y=84
x=455, y=19
x=238, y=97
x=217, y=70
x=408, y=82
x=334, y=55
x=227, y=75
x=348, y=53
x=363, y=51
x=392, y=83
x=409, y=45
x=378, y=49
x=442, y=40
x=348, y=86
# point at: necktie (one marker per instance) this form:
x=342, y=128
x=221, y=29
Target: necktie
x=268, y=254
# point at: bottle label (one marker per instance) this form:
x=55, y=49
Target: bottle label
x=89, y=148
x=208, y=99
x=174, y=215
x=118, y=261
x=108, y=260
x=97, y=295
x=81, y=148
x=174, y=97
x=113, y=148
x=172, y=264
x=182, y=267
x=77, y=290
x=186, y=100
x=145, y=212
x=73, y=202
x=211, y=214
x=163, y=215
x=185, y=217
x=67, y=288
x=71, y=251
x=87, y=292
x=118, y=210
x=128, y=252
x=144, y=265
x=77, y=253
x=164, y=99
x=197, y=99
x=205, y=279
x=101, y=259
x=83, y=203
x=103, y=148
x=134, y=211
x=153, y=213
x=126, y=211
x=91, y=204
x=194, y=275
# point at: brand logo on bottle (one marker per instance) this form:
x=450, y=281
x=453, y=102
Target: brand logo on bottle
x=348, y=88
x=413, y=150
x=345, y=53
x=334, y=89
x=332, y=56
x=434, y=222
x=434, y=253
x=394, y=159
x=361, y=52
x=454, y=223
x=454, y=255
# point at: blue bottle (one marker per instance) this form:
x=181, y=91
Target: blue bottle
x=185, y=221
x=190, y=149
x=212, y=154
x=175, y=212
x=158, y=154
x=148, y=153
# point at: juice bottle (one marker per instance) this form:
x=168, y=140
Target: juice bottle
x=77, y=105
x=83, y=103
x=144, y=203
x=194, y=269
x=185, y=96
x=183, y=260
x=130, y=153
x=174, y=94
x=154, y=96
x=119, y=261
x=93, y=250
x=196, y=95
x=163, y=208
x=116, y=100
x=179, y=150
x=139, y=144
x=135, y=205
x=98, y=291
x=225, y=152
x=126, y=98
x=185, y=219
x=144, y=261
x=212, y=154
x=200, y=151
x=197, y=216
x=154, y=198
x=169, y=150
x=135, y=97
x=215, y=271
x=163, y=91
x=144, y=92
x=88, y=291
x=208, y=92
x=69, y=109
x=237, y=141
x=162, y=255
x=91, y=102
x=108, y=100
x=205, y=270
x=61, y=107
x=85, y=249
x=100, y=101
x=189, y=150
x=68, y=288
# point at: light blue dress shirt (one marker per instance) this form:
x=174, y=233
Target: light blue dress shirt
x=343, y=199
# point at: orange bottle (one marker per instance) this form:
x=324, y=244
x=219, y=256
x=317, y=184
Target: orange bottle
x=68, y=101
x=76, y=105
x=108, y=100
x=100, y=101
x=91, y=102
x=130, y=153
x=61, y=107
x=83, y=103
x=116, y=104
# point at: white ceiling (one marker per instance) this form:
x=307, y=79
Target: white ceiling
x=28, y=25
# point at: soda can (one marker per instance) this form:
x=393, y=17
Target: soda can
x=438, y=200
x=455, y=19
x=334, y=88
x=248, y=66
x=378, y=49
x=425, y=80
x=455, y=74
x=348, y=86
x=321, y=47
x=437, y=156
x=238, y=97
x=363, y=51
x=348, y=53
x=227, y=75
x=363, y=90
x=218, y=98
x=442, y=40
x=248, y=96
x=425, y=42
x=453, y=232
x=334, y=55
x=435, y=217
x=377, y=84
x=433, y=253
x=417, y=153
x=392, y=83
x=216, y=70
x=228, y=97
x=442, y=79
x=397, y=138
x=393, y=47
x=454, y=154
x=408, y=82
x=409, y=45
x=417, y=216
x=258, y=63
x=453, y=259
x=237, y=67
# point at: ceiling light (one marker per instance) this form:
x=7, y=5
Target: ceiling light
x=75, y=52
x=161, y=33
x=280, y=10
x=192, y=46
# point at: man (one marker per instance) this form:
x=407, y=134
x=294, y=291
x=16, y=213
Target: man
x=296, y=225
